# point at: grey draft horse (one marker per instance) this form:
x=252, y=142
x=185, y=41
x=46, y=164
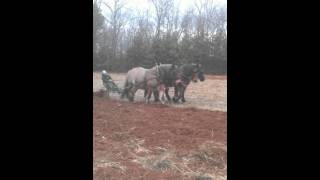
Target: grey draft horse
x=150, y=80
x=180, y=78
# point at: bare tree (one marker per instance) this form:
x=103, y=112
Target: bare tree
x=116, y=18
x=98, y=21
x=162, y=8
x=131, y=38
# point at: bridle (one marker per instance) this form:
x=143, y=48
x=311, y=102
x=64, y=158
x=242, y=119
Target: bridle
x=190, y=77
x=158, y=74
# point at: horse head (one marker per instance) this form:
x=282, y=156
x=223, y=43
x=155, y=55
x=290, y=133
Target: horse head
x=197, y=72
x=200, y=73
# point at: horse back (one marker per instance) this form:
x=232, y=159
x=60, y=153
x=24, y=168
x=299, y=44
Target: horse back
x=136, y=76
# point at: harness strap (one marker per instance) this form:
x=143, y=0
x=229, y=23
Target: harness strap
x=183, y=83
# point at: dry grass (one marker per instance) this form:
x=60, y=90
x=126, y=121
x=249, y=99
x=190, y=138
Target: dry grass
x=162, y=162
x=203, y=177
x=168, y=161
x=135, y=145
x=211, y=157
x=212, y=153
x=108, y=163
x=208, y=162
x=109, y=160
x=121, y=136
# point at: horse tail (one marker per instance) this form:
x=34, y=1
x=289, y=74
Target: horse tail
x=125, y=89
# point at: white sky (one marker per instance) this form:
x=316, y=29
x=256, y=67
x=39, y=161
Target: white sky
x=147, y=4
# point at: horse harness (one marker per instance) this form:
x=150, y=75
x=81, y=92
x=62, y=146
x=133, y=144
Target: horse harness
x=185, y=80
x=157, y=77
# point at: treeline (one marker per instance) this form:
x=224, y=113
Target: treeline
x=124, y=38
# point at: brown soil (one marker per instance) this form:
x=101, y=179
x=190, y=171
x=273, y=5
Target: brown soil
x=153, y=141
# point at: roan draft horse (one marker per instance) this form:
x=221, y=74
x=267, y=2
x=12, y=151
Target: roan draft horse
x=150, y=80
x=180, y=78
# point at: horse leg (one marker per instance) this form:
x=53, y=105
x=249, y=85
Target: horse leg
x=175, y=98
x=126, y=90
x=182, y=94
x=130, y=96
x=167, y=93
x=148, y=95
x=161, y=88
x=156, y=95
x=145, y=93
x=131, y=92
x=124, y=93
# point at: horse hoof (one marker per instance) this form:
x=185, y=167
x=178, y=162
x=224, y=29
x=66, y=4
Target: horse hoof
x=146, y=101
x=175, y=100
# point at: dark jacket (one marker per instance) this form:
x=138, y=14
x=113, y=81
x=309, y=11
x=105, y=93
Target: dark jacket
x=106, y=78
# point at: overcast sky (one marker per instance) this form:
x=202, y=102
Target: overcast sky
x=143, y=5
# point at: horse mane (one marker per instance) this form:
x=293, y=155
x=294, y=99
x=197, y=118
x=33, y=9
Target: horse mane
x=186, y=68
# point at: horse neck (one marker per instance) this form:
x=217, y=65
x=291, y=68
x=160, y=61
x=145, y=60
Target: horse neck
x=153, y=72
x=158, y=71
x=184, y=72
x=161, y=71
